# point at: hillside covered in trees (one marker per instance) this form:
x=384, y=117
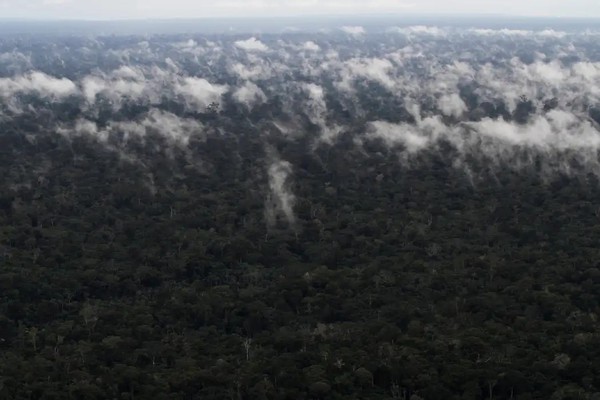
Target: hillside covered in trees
x=408, y=214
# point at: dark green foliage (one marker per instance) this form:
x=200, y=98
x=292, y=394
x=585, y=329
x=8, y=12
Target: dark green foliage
x=416, y=285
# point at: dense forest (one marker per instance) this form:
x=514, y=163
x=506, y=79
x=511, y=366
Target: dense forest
x=405, y=215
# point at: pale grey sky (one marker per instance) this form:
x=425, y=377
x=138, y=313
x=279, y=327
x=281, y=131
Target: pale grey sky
x=119, y=9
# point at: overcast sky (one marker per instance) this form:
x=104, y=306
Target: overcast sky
x=119, y=9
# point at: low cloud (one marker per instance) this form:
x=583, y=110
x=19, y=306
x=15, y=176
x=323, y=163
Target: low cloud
x=251, y=44
x=311, y=46
x=200, y=93
x=115, y=89
x=452, y=105
x=539, y=94
x=419, y=30
x=374, y=69
x=353, y=30
x=176, y=130
x=281, y=200
x=37, y=82
x=249, y=94
x=549, y=33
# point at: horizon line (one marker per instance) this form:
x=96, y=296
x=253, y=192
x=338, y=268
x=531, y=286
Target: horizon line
x=299, y=16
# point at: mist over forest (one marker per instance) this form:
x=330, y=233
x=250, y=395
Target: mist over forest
x=300, y=210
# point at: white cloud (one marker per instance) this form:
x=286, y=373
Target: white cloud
x=251, y=44
x=394, y=134
x=452, y=105
x=311, y=46
x=548, y=33
x=249, y=94
x=114, y=87
x=552, y=33
x=375, y=69
x=559, y=130
x=508, y=32
x=255, y=68
x=281, y=199
x=45, y=85
x=354, y=30
x=419, y=30
x=176, y=129
x=199, y=92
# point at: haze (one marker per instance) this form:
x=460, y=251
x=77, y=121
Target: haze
x=138, y=9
